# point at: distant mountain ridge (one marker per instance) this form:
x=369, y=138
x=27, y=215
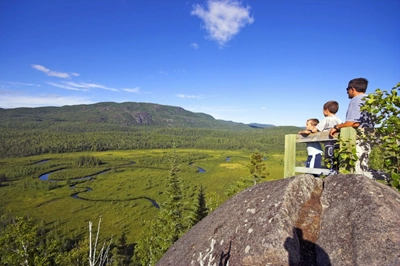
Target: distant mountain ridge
x=257, y=125
x=122, y=115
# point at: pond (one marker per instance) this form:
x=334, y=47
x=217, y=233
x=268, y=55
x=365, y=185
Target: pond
x=42, y=161
x=201, y=170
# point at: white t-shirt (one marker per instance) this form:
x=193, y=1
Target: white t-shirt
x=328, y=123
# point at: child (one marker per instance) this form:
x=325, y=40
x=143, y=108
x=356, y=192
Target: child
x=314, y=149
x=329, y=109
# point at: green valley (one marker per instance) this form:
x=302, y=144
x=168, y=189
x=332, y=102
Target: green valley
x=66, y=166
x=121, y=193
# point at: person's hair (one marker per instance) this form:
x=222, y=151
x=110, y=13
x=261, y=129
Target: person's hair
x=332, y=106
x=313, y=121
x=359, y=84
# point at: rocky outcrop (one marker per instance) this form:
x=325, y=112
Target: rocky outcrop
x=341, y=220
x=142, y=117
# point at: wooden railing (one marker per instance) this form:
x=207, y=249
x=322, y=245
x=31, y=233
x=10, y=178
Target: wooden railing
x=346, y=134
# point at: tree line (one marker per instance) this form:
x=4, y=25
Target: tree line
x=19, y=143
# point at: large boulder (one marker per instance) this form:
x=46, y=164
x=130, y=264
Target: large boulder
x=303, y=220
x=360, y=222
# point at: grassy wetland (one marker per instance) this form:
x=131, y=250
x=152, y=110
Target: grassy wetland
x=64, y=167
x=124, y=188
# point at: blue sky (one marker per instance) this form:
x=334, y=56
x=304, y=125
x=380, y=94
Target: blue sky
x=270, y=61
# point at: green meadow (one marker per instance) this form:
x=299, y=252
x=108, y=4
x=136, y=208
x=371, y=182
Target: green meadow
x=125, y=189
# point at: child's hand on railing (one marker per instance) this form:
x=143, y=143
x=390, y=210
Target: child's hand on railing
x=307, y=132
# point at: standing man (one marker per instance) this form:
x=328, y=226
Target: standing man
x=357, y=119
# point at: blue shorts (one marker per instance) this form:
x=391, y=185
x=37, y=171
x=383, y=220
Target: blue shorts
x=314, y=161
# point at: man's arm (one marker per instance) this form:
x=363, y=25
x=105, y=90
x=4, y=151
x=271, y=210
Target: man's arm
x=345, y=124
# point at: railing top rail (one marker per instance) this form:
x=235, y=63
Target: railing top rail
x=315, y=137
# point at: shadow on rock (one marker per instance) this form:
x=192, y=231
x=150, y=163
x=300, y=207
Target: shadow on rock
x=302, y=252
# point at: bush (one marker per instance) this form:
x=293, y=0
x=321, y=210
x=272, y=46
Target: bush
x=384, y=108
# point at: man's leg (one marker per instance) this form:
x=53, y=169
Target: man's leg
x=363, y=150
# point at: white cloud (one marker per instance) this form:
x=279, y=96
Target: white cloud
x=223, y=19
x=52, y=73
x=5, y=85
x=79, y=86
x=15, y=100
x=189, y=96
x=96, y=86
x=194, y=46
x=134, y=90
x=75, y=84
x=63, y=86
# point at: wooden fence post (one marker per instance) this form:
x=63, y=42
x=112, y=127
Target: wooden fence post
x=290, y=155
x=348, y=135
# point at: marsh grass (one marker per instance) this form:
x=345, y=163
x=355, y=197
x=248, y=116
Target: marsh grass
x=121, y=194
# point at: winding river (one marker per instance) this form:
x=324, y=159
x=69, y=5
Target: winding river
x=45, y=177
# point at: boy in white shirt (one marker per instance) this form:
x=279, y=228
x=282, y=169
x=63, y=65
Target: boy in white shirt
x=329, y=109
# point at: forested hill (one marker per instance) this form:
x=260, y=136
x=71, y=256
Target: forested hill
x=121, y=126
x=112, y=115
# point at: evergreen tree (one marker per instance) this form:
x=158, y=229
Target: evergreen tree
x=257, y=171
x=174, y=206
x=124, y=251
x=201, y=209
x=169, y=224
x=256, y=166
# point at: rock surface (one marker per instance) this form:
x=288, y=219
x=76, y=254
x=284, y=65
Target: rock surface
x=341, y=220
